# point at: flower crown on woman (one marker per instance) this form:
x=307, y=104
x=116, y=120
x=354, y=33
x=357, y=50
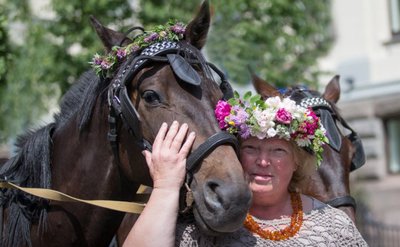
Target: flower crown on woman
x=274, y=117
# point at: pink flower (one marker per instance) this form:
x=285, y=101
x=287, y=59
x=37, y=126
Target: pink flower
x=283, y=116
x=105, y=64
x=121, y=53
x=222, y=110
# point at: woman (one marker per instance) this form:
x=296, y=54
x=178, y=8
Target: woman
x=280, y=143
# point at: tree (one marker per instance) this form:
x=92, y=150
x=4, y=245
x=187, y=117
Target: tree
x=50, y=55
x=280, y=40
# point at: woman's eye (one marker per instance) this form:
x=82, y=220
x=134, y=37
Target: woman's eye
x=279, y=150
x=249, y=150
x=151, y=97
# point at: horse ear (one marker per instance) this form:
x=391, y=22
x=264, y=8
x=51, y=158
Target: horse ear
x=332, y=90
x=108, y=36
x=263, y=88
x=197, y=29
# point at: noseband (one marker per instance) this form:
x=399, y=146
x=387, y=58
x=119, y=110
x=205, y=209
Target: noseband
x=328, y=117
x=122, y=108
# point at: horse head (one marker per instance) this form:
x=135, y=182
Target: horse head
x=171, y=80
x=330, y=182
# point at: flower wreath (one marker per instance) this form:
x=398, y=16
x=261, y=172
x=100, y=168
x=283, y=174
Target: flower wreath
x=251, y=116
x=105, y=64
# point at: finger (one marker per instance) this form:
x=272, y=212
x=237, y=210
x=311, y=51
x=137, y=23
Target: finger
x=148, y=156
x=160, y=136
x=185, y=149
x=179, y=137
x=171, y=134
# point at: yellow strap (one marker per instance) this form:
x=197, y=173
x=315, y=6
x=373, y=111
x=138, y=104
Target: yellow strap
x=127, y=207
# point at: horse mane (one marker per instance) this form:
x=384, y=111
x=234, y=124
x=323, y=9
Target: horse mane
x=80, y=99
x=30, y=167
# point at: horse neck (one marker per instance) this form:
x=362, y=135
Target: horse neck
x=331, y=179
x=83, y=166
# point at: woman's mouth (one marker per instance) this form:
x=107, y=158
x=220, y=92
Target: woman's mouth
x=262, y=178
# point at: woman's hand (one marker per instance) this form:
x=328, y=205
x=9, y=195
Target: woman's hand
x=167, y=162
x=167, y=165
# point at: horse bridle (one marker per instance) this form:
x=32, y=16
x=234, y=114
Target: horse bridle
x=121, y=107
x=324, y=110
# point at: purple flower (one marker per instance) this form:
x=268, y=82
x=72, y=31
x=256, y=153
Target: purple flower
x=151, y=37
x=121, y=53
x=178, y=28
x=283, y=116
x=244, y=131
x=240, y=115
x=97, y=60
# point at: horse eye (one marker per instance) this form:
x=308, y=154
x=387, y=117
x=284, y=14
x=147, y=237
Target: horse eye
x=151, y=97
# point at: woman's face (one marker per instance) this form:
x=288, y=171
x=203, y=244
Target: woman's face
x=269, y=164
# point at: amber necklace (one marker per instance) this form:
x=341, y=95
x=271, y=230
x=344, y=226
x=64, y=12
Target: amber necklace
x=296, y=220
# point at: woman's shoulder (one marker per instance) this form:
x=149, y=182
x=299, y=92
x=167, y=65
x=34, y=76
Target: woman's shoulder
x=310, y=203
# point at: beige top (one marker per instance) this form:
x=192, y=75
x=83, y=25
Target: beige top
x=323, y=226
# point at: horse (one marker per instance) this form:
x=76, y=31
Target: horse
x=329, y=183
x=93, y=148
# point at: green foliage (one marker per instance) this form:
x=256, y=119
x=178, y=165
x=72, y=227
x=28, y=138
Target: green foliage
x=280, y=40
x=4, y=49
x=49, y=55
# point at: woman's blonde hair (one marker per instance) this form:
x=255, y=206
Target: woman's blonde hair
x=305, y=163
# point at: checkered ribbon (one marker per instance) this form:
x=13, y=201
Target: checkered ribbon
x=314, y=102
x=156, y=49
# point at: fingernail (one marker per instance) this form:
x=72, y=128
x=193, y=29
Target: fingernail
x=175, y=122
x=164, y=124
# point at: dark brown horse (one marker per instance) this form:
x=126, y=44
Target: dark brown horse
x=330, y=183
x=74, y=154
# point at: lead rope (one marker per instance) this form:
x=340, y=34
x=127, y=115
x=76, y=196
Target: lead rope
x=49, y=194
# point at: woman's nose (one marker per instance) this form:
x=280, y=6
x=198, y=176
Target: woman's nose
x=264, y=161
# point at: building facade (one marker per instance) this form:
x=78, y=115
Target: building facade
x=366, y=54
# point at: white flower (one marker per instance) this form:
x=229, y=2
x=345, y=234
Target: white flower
x=289, y=105
x=303, y=142
x=271, y=132
x=273, y=102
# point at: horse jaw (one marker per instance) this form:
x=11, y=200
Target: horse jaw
x=221, y=202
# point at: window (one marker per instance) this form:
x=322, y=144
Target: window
x=395, y=17
x=393, y=128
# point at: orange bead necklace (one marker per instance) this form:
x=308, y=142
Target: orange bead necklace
x=296, y=220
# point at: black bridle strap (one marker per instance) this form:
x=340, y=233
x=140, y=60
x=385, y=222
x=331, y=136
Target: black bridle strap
x=343, y=201
x=194, y=160
x=208, y=146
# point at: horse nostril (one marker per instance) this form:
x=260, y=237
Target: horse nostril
x=213, y=194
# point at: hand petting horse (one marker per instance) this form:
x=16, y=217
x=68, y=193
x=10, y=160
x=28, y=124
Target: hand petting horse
x=93, y=148
x=330, y=183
